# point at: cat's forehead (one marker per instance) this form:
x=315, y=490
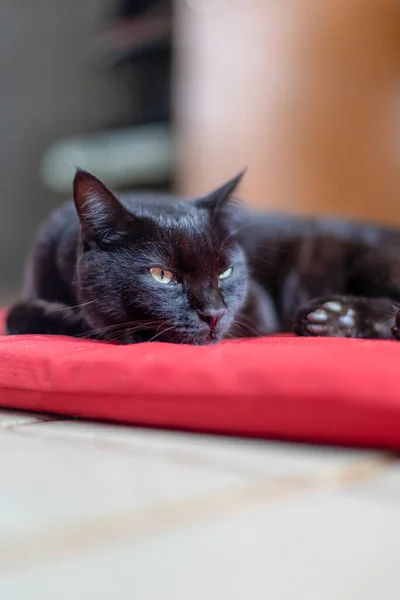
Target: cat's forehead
x=149, y=203
x=181, y=235
x=186, y=241
x=192, y=254
x=188, y=238
x=171, y=213
x=182, y=218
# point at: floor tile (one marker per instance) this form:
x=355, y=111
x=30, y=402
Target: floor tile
x=248, y=457
x=12, y=418
x=48, y=482
x=385, y=488
x=327, y=545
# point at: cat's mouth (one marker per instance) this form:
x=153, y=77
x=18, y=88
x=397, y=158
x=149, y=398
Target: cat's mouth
x=202, y=338
x=192, y=339
x=172, y=335
x=198, y=338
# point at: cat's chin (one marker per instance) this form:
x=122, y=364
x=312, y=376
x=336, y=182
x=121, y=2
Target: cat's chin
x=206, y=339
x=200, y=338
x=194, y=339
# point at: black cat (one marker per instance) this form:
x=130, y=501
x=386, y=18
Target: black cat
x=147, y=268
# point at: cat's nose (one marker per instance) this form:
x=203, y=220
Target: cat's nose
x=211, y=317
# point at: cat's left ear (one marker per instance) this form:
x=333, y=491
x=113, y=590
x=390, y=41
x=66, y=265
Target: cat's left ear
x=103, y=218
x=217, y=200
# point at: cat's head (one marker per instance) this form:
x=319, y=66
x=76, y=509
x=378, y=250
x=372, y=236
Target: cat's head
x=152, y=268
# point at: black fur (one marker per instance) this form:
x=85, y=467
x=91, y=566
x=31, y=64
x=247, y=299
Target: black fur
x=90, y=275
x=89, y=272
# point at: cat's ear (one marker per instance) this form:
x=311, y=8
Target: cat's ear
x=217, y=200
x=102, y=216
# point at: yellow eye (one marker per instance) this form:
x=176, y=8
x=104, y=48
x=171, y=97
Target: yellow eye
x=162, y=275
x=226, y=273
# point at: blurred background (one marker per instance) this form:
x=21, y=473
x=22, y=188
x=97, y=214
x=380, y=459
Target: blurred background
x=182, y=94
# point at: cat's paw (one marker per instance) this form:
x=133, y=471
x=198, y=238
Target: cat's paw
x=25, y=317
x=332, y=318
x=40, y=317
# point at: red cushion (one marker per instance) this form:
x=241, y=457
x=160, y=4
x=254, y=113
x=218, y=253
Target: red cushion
x=326, y=390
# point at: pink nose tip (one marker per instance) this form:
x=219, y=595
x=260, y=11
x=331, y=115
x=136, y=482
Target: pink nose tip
x=211, y=317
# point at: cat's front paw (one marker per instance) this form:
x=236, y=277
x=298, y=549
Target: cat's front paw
x=40, y=317
x=332, y=318
x=25, y=318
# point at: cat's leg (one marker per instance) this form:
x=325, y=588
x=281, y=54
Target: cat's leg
x=377, y=272
x=318, y=268
x=258, y=317
x=347, y=316
x=38, y=316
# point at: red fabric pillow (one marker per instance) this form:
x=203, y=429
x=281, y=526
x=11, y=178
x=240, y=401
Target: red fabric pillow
x=325, y=390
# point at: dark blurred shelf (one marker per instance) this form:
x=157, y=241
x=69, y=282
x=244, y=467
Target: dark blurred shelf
x=131, y=38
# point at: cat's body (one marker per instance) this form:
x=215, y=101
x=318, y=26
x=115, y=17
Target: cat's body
x=305, y=262
x=230, y=273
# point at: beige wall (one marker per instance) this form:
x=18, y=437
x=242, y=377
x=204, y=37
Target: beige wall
x=305, y=92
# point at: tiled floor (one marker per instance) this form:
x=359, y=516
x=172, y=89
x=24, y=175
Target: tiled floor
x=91, y=511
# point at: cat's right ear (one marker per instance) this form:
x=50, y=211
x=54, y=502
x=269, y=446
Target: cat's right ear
x=220, y=198
x=102, y=216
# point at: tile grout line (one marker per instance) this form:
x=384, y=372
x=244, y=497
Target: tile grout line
x=28, y=421
x=187, y=457
x=81, y=536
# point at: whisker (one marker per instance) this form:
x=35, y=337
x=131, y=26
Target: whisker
x=261, y=247
x=251, y=224
x=240, y=327
x=125, y=325
x=76, y=306
x=161, y=333
x=174, y=338
x=114, y=335
x=247, y=326
x=264, y=260
x=115, y=330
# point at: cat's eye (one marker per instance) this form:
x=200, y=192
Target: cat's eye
x=162, y=275
x=226, y=274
